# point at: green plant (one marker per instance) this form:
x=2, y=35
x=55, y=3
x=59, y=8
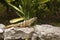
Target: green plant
x=26, y=9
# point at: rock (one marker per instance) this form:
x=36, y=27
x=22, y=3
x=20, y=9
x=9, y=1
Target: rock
x=43, y=32
x=17, y=32
x=1, y=31
x=2, y=26
x=47, y=32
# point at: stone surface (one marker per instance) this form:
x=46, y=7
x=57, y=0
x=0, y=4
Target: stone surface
x=2, y=26
x=16, y=33
x=43, y=32
x=47, y=32
x=1, y=31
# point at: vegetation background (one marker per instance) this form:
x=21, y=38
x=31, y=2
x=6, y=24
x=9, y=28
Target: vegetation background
x=47, y=11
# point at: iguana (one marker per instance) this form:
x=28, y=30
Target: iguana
x=25, y=23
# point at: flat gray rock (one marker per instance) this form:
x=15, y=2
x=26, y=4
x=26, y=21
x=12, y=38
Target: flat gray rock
x=44, y=32
x=47, y=32
x=1, y=31
x=16, y=33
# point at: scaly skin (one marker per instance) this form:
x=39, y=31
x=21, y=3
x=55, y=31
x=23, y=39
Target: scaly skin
x=25, y=23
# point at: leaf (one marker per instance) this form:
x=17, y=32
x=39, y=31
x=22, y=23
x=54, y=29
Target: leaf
x=20, y=7
x=19, y=14
x=43, y=1
x=26, y=38
x=9, y=1
x=15, y=8
x=58, y=0
x=16, y=20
